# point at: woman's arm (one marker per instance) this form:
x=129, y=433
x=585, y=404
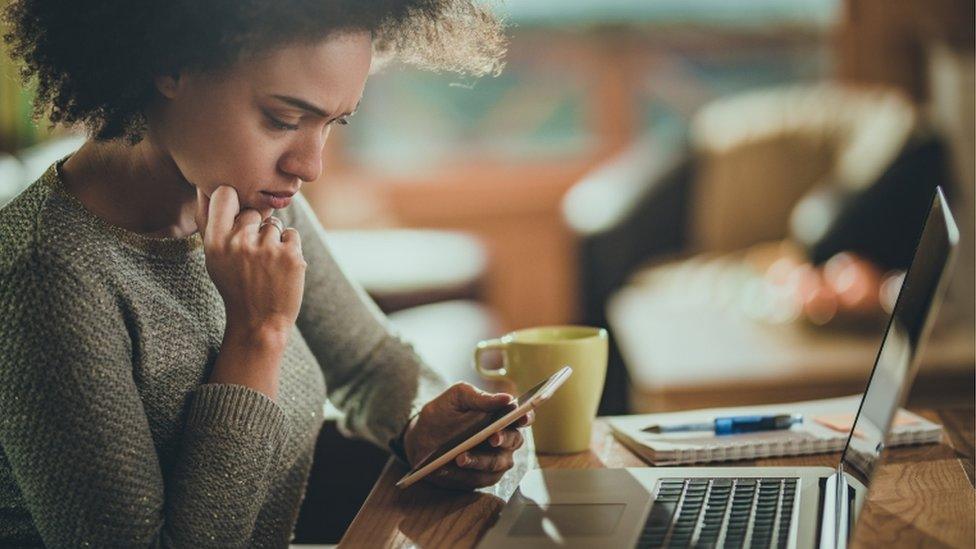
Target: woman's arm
x=371, y=375
x=380, y=382
x=77, y=438
x=260, y=274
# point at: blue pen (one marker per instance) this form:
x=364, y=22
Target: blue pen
x=733, y=425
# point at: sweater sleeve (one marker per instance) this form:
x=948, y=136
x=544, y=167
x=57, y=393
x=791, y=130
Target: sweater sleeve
x=374, y=377
x=74, y=430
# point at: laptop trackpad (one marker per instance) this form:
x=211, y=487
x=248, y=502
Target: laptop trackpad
x=566, y=520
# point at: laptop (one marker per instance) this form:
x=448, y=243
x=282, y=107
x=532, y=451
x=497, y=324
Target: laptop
x=743, y=506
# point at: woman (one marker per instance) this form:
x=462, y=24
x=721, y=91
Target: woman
x=171, y=317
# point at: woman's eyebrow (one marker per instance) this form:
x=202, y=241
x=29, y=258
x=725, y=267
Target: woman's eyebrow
x=302, y=104
x=306, y=106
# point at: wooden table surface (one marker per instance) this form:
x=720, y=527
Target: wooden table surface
x=921, y=495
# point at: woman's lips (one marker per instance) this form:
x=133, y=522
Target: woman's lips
x=277, y=200
x=281, y=194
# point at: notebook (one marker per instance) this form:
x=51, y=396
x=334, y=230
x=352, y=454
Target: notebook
x=825, y=427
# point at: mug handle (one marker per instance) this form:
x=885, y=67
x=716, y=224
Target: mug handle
x=488, y=345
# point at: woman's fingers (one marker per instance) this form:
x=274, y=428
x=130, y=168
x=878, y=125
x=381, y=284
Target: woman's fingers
x=451, y=476
x=495, y=455
x=506, y=439
x=247, y=223
x=224, y=207
x=491, y=462
x=526, y=420
x=293, y=242
x=291, y=237
x=271, y=231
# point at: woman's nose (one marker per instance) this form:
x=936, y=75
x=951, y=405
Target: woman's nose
x=304, y=160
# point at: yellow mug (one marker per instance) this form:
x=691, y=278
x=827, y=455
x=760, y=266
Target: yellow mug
x=564, y=423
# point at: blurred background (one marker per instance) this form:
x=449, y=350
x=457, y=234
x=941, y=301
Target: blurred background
x=731, y=187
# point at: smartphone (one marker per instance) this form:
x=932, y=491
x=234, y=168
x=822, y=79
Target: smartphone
x=478, y=433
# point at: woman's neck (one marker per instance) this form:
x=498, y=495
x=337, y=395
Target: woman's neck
x=135, y=187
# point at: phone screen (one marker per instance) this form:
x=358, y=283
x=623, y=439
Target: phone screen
x=477, y=427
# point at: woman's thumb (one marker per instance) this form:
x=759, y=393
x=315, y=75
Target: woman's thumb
x=471, y=398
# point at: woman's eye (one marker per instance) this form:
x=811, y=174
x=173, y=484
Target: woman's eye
x=280, y=125
x=341, y=121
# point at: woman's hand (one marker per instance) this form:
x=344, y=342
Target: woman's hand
x=258, y=270
x=440, y=419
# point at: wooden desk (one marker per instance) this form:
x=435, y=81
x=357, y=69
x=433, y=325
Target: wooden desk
x=922, y=496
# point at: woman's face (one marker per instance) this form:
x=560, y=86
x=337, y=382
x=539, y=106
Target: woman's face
x=261, y=125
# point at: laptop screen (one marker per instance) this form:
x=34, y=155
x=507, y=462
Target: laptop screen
x=895, y=366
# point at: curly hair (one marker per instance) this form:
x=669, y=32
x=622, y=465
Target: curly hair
x=94, y=62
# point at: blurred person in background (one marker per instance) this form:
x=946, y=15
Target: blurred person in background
x=171, y=315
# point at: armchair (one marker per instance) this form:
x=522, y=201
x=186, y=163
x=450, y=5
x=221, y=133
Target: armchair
x=750, y=160
x=763, y=161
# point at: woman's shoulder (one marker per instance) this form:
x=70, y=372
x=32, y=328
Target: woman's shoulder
x=40, y=232
x=19, y=222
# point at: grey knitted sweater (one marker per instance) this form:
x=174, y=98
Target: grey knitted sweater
x=109, y=431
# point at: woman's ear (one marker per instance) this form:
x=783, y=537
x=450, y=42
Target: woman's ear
x=169, y=85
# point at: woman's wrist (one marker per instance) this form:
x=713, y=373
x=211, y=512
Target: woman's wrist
x=262, y=338
x=251, y=357
x=404, y=443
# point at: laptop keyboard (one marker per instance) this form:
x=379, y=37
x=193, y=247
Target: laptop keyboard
x=720, y=512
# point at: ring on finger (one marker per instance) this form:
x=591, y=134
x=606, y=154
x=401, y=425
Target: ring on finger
x=273, y=221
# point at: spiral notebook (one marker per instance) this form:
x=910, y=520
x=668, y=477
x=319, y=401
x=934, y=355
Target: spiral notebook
x=824, y=429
